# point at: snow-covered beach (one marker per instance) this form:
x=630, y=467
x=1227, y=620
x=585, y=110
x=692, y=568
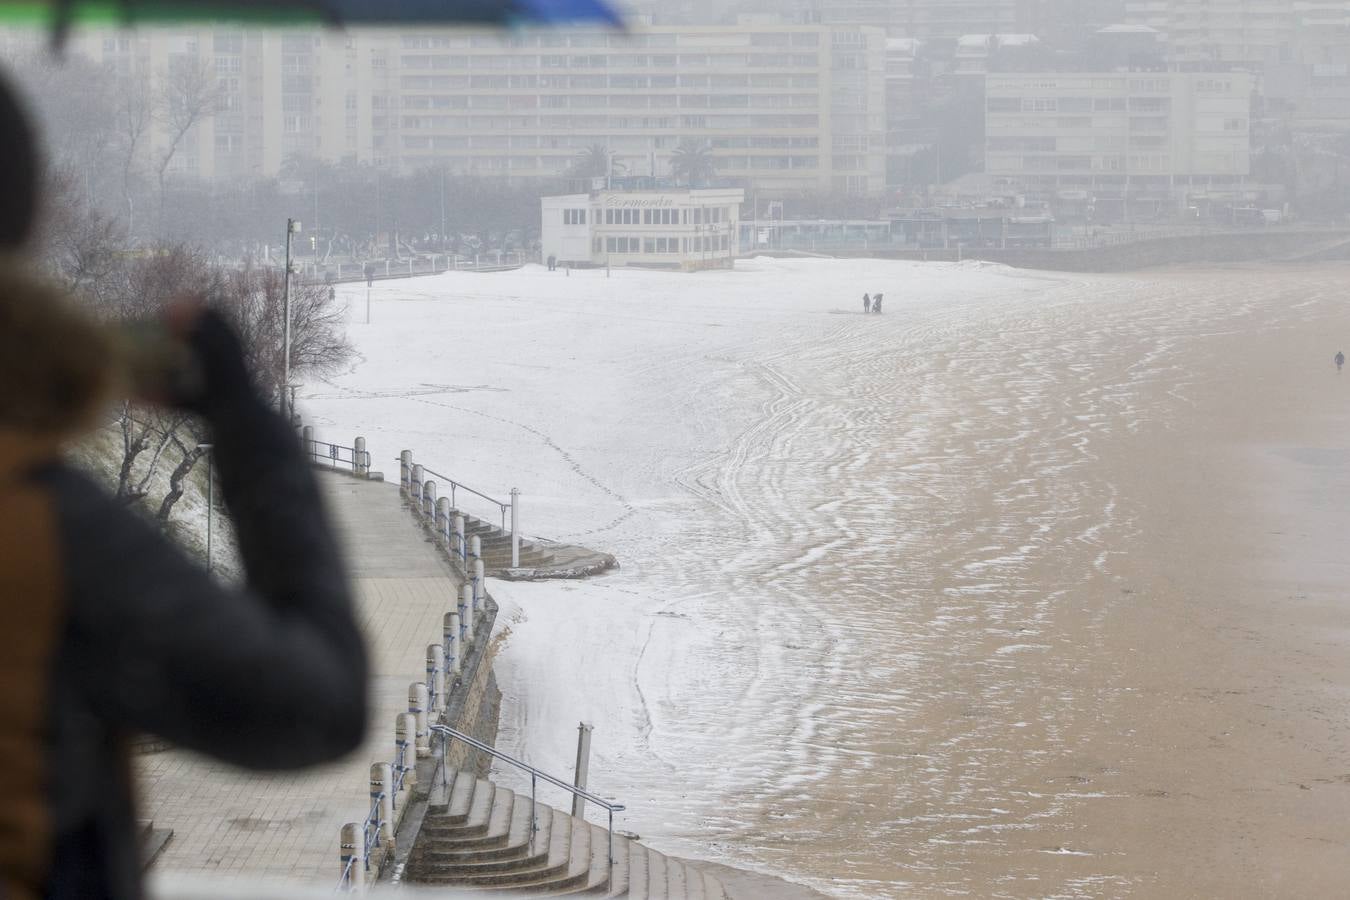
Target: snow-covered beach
x=974, y=596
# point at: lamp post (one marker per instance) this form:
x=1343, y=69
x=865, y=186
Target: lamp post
x=210, y=497
x=292, y=228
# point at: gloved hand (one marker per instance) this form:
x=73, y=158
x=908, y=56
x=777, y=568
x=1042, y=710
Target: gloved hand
x=214, y=376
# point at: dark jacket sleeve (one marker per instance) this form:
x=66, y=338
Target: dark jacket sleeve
x=273, y=675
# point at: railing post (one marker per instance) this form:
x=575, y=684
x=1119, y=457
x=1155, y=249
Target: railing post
x=429, y=499
x=452, y=651
x=417, y=705
x=582, y=769
x=442, y=517
x=404, y=470
x=515, y=528
x=479, y=588
x=436, y=679
x=351, y=848
x=360, y=460
x=415, y=487
x=466, y=616
x=382, y=798
x=405, y=748
x=460, y=551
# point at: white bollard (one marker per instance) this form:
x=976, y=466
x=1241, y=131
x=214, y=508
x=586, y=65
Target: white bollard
x=479, y=591
x=362, y=459
x=382, y=795
x=452, y=648
x=475, y=553
x=515, y=528
x=417, y=705
x=429, y=499
x=415, y=487
x=351, y=850
x=405, y=738
x=442, y=516
x=404, y=470
x=436, y=679
x=466, y=615
x=457, y=546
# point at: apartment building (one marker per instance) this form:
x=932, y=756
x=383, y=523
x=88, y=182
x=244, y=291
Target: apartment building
x=1238, y=33
x=784, y=108
x=1139, y=134
x=274, y=94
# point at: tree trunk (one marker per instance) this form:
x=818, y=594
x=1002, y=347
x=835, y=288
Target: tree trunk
x=180, y=472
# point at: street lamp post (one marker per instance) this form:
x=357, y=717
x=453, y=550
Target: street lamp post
x=292, y=228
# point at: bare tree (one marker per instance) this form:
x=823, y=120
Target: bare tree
x=134, y=113
x=188, y=95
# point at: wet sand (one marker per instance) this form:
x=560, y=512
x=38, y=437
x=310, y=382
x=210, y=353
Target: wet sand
x=1227, y=738
x=1091, y=633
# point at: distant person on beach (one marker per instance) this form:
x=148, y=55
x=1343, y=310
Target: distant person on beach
x=876, y=304
x=1340, y=361
x=553, y=263
x=867, y=303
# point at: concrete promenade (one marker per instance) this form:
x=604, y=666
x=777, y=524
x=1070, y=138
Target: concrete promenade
x=228, y=823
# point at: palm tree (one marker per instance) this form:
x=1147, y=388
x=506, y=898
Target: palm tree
x=596, y=161
x=693, y=162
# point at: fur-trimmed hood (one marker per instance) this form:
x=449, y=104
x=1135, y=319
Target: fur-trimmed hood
x=56, y=366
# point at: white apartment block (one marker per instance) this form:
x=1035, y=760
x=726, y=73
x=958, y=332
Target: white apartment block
x=923, y=18
x=785, y=109
x=1247, y=33
x=685, y=229
x=1137, y=133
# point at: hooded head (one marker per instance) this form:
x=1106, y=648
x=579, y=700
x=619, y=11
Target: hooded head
x=19, y=174
x=54, y=361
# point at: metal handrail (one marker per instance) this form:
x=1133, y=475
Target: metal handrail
x=456, y=485
x=447, y=734
x=333, y=455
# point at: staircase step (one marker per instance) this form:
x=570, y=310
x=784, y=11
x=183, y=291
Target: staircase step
x=453, y=839
x=676, y=886
x=693, y=883
x=637, y=872
x=461, y=798
x=656, y=876
x=474, y=823
x=712, y=887
x=559, y=874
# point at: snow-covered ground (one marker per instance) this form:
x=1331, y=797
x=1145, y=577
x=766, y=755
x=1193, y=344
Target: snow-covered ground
x=852, y=546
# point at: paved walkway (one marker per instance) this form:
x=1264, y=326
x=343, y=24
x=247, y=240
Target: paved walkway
x=231, y=823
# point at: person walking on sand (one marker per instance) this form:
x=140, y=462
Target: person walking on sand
x=867, y=303
x=1340, y=361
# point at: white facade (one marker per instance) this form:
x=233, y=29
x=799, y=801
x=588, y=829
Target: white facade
x=687, y=229
x=1146, y=130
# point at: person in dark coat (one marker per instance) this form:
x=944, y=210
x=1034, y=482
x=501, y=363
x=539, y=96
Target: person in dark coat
x=110, y=629
x=1339, y=360
x=876, y=304
x=867, y=303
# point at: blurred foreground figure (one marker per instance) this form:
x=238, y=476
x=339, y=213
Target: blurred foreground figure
x=108, y=628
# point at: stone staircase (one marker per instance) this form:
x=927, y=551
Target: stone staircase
x=496, y=545
x=477, y=835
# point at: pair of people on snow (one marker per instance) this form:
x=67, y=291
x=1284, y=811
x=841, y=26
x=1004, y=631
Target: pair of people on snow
x=871, y=304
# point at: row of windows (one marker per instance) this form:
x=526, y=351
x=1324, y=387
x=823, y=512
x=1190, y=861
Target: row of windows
x=602, y=123
x=574, y=217
x=699, y=215
x=702, y=244
x=625, y=41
